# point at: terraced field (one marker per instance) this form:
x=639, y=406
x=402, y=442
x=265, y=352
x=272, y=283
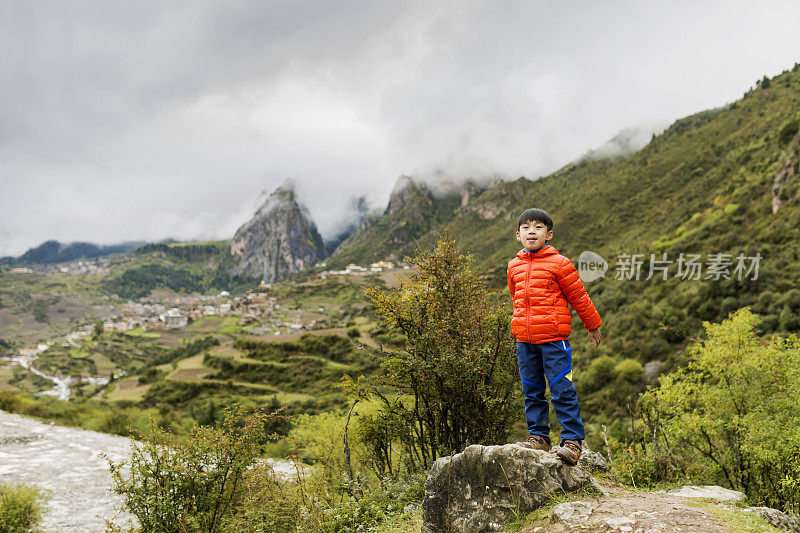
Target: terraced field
x=187, y=374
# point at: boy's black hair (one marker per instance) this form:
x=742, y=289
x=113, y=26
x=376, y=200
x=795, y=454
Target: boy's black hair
x=537, y=215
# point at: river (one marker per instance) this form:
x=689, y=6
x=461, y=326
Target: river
x=61, y=389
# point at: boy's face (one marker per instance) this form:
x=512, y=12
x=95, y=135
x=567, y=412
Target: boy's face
x=533, y=235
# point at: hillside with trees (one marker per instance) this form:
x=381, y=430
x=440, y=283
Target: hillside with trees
x=714, y=186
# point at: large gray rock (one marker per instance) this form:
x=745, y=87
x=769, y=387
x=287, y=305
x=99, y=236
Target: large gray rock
x=776, y=518
x=484, y=487
x=593, y=461
x=713, y=492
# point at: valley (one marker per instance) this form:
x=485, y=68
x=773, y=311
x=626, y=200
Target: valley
x=166, y=336
x=180, y=354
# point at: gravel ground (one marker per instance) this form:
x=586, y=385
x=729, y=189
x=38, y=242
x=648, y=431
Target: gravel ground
x=66, y=464
x=69, y=466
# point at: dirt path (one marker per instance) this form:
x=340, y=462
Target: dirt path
x=684, y=510
x=66, y=464
x=642, y=512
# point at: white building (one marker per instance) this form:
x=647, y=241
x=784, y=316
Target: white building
x=354, y=268
x=174, y=318
x=381, y=265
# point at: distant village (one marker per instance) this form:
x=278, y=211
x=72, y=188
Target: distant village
x=88, y=266
x=254, y=307
x=380, y=266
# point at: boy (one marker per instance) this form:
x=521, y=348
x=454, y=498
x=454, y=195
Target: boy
x=542, y=282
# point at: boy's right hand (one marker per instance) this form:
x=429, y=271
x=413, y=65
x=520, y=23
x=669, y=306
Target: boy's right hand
x=595, y=337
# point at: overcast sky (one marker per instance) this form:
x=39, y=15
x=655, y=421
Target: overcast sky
x=146, y=120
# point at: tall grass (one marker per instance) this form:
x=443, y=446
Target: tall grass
x=20, y=508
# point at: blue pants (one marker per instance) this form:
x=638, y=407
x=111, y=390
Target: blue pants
x=552, y=360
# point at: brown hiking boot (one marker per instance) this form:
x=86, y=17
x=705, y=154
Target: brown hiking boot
x=570, y=452
x=536, y=442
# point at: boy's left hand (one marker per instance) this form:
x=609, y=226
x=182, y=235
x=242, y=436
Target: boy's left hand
x=595, y=337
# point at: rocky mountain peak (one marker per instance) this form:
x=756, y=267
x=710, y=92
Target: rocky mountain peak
x=407, y=192
x=279, y=240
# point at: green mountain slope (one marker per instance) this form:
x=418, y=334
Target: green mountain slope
x=413, y=212
x=182, y=267
x=707, y=185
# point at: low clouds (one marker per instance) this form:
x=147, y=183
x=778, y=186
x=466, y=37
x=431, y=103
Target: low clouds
x=149, y=120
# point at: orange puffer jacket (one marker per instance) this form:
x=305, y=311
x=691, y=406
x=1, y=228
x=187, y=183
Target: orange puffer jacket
x=541, y=283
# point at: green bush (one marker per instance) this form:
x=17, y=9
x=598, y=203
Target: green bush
x=215, y=481
x=629, y=370
x=599, y=373
x=20, y=508
x=788, y=320
x=766, y=301
x=454, y=381
x=732, y=414
x=788, y=130
x=88, y=413
x=369, y=510
x=151, y=375
x=195, y=485
x=9, y=401
x=390, y=339
x=645, y=470
x=267, y=506
x=314, y=505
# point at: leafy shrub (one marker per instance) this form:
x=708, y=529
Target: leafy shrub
x=207, y=415
x=645, y=470
x=9, y=401
x=20, y=509
x=454, y=381
x=39, y=308
x=599, y=373
x=788, y=130
x=185, y=252
x=151, y=375
x=267, y=506
x=788, y=320
x=766, y=301
x=629, y=370
x=391, y=339
x=179, y=394
x=369, y=510
x=732, y=414
x=195, y=485
x=304, y=374
x=792, y=299
x=114, y=421
x=320, y=437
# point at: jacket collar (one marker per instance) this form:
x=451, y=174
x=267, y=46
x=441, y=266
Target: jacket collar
x=539, y=252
